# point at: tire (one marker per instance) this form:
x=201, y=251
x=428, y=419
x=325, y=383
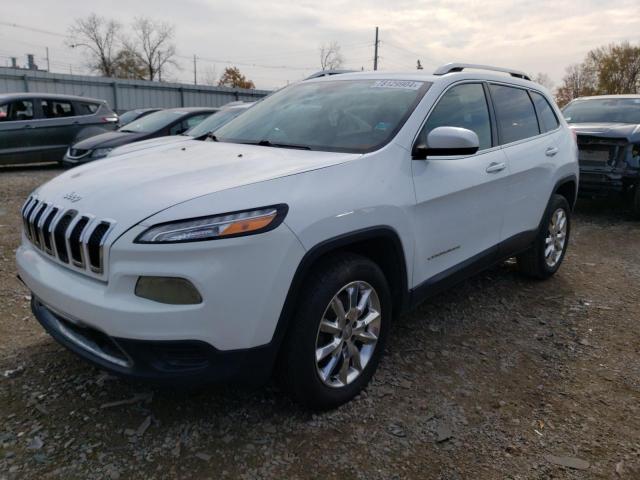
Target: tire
x=636, y=202
x=324, y=384
x=534, y=262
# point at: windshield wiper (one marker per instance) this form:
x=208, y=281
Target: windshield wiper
x=128, y=131
x=267, y=143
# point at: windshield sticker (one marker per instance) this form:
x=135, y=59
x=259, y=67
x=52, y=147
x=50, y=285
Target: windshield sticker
x=403, y=84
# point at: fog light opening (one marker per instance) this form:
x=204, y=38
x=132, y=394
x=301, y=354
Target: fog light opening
x=170, y=290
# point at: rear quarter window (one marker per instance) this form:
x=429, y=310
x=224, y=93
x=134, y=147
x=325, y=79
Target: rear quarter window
x=87, y=108
x=546, y=115
x=515, y=114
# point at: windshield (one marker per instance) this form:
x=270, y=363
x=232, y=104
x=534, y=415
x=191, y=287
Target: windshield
x=129, y=116
x=213, y=122
x=605, y=110
x=331, y=115
x=153, y=122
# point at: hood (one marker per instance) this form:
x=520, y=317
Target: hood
x=630, y=132
x=110, y=140
x=151, y=143
x=130, y=188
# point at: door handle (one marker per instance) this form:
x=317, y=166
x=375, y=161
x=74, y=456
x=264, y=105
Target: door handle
x=28, y=126
x=551, y=151
x=495, y=167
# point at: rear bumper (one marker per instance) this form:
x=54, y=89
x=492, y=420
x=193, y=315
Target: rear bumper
x=171, y=363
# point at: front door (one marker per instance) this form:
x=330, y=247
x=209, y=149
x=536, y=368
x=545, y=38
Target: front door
x=460, y=199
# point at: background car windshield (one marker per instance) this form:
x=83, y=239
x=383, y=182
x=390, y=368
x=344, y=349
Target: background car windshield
x=213, y=122
x=129, y=116
x=331, y=115
x=153, y=122
x=606, y=110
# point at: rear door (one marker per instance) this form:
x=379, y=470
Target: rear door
x=18, y=141
x=59, y=126
x=530, y=146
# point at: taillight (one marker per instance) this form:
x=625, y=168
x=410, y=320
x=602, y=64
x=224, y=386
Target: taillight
x=575, y=135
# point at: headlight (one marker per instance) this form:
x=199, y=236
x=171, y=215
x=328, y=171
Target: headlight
x=235, y=224
x=100, y=152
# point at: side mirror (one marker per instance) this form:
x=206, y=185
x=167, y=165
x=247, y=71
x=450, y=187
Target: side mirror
x=443, y=141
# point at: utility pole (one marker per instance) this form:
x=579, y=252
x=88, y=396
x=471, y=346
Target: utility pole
x=195, y=71
x=375, y=52
x=48, y=65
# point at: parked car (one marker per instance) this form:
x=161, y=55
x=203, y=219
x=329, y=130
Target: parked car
x=199, y=132
x=172, y=121
x=38, y=127
x=317, y=216
x=608, y=131
x=131, y=115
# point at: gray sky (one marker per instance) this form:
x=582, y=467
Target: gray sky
x=275, y=41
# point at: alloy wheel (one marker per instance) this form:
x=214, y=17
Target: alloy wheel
x=348, y=334
x=556, y=238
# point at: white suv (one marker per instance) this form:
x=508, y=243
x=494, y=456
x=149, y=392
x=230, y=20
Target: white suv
x=295, y=237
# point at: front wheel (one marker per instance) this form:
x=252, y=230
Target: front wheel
x=544, y=258
x=338, y=333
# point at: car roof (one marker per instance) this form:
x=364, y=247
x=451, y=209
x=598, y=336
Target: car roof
x=20, y=95
x=419, y=75
x=191, y=109
x=609, y=97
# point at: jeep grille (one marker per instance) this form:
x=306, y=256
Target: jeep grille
x=73, y=238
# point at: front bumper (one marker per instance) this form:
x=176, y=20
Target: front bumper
x=243, y=283
x=600, y=183
x=175, y=363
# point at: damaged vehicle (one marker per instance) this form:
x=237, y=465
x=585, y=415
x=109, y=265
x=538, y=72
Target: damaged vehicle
x=608, y=134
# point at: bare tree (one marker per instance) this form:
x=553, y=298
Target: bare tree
x=330, y=56
x=210, y=76
x=99, y=36
x=152, y=44
x=544, y=80
x=579, y=80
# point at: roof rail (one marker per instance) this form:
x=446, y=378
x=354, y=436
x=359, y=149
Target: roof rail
x=458, y=67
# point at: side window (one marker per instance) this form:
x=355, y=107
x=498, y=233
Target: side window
x=195, y=120
x=56, y=108
x=15, y=111
x=462, y=106
x=516, y=117
x=87, y=108
x=548, y=119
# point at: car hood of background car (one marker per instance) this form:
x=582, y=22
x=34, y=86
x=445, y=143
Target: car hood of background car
x=130, y=188
x=110, y=140
x=630, y=132
x=151, y=143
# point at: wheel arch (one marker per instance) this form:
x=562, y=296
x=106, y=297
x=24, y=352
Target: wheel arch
x=568, y=188
x=380, y=244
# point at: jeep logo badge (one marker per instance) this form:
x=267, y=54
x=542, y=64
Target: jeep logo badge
x=72, y=197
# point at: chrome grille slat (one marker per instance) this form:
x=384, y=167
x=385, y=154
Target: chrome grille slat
x=74, y=238
x=37, y=215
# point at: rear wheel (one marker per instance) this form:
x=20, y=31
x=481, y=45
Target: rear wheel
x=338, y=333
x=636, y=202
x=544, y=258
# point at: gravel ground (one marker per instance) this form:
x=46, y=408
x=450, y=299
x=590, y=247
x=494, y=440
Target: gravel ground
x=500, y=378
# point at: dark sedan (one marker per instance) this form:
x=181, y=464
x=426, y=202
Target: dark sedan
x=172, y=121
x=608, y=134
x=38, y=127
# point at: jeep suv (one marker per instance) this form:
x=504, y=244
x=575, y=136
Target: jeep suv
x=292, y=240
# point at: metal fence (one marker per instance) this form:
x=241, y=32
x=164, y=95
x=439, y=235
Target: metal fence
x=123, y=94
